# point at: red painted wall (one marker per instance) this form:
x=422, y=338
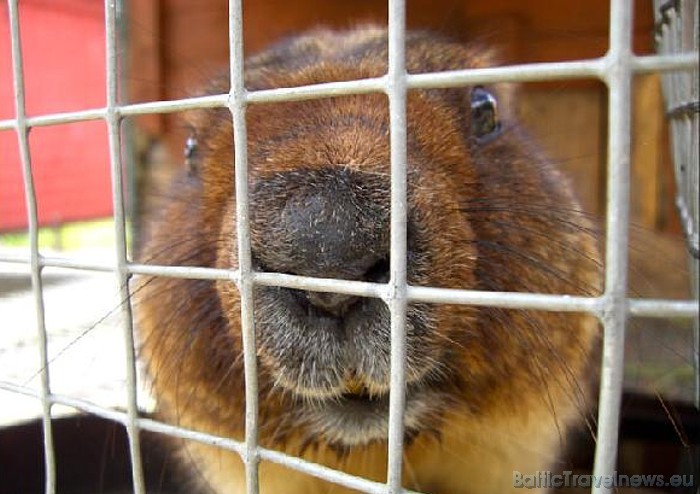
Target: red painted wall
x=64, y=67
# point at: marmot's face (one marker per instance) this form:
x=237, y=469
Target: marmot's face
x=485, y=211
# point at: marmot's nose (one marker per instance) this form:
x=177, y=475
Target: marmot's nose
x=330, y=223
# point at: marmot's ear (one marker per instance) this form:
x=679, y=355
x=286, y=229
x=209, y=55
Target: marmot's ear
x=482, y=54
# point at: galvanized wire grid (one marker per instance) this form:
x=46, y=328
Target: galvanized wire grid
x=677, y=28
x=616, y=69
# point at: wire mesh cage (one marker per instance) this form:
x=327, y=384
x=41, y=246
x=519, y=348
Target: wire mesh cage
x=612, y=308
x=677, y=32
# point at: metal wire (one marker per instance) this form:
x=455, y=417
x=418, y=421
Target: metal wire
x=397, y=299
x=580, y=69
x=616, y=69
x=652, y=308
x=113, y=120
x=237, y=105
x=677, y=30
x=618, y=77
x=35, y=258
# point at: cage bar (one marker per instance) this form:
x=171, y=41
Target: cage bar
x=35, y=257
x=677, y=29
x=237, y=105
x=638, y=307
x=432, y=80
x=113, y=120
x=397, y=299
x=618, y=77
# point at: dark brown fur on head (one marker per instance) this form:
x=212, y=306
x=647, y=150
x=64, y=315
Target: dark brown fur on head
x=497, y=387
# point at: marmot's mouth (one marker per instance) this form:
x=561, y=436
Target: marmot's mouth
x=358, y=417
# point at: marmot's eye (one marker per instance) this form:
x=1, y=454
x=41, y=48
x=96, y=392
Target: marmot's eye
x=191, y=154
x=484, y=109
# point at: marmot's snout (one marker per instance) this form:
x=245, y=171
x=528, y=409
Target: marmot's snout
x=330, y=223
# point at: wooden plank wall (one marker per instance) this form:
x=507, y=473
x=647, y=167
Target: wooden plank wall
x=174, y=45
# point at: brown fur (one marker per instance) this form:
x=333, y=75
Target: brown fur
x=491, y=216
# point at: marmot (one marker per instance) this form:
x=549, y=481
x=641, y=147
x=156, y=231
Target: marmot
x=489, y=391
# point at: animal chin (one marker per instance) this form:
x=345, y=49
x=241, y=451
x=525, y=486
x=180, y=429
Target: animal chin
x=336, y=366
